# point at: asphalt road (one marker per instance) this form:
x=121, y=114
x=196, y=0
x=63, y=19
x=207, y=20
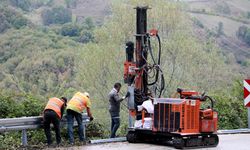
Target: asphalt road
x=227, y=142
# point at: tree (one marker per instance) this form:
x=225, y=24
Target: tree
x=56, y=15
x=220, y=29
x=23, y=4
x=9, y=18
x=70, y=30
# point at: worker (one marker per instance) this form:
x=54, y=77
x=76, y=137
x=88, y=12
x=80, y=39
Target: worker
x=75, y=108
x=114, y=108
x=53, y=113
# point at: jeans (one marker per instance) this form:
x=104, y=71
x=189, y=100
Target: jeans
x=51, y=117
x=70, y=119
x=115, y=123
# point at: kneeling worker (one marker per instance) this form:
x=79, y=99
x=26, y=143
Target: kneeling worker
x=53, y=113
x=75, y=107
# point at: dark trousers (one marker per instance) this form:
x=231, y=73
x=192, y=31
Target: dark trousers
x=115, y=123
x=70, y=119
x=51, y=117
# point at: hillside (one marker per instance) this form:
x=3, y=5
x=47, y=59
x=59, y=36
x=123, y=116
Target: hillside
x=231, y=15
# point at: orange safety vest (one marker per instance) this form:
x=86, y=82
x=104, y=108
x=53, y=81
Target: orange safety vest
x=55, y=104
x=78, y=102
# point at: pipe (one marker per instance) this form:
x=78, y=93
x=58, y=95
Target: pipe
x=119, y=139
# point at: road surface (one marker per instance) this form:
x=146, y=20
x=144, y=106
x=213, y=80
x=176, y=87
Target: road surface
x=227, y=142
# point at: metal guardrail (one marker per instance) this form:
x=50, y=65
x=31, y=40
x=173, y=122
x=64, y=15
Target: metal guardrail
x=234, y=131
x=28, y=123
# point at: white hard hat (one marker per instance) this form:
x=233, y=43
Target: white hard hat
x=86, y=94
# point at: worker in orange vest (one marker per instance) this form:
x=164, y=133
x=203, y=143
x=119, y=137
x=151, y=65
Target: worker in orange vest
x=75, y=108
x=53, y=113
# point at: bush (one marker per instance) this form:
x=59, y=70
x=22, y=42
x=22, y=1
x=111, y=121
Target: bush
x=198, y=23
x=95, y=129
x=56, y=15
x=229, y=104
x=70, y=30
x=19, y=104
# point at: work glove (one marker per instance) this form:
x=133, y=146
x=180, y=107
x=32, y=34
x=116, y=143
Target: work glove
x=91, y=118
x=127, y=95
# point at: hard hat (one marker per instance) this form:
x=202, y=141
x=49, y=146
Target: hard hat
x=86, y=94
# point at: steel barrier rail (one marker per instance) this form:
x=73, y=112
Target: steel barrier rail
x=27, y=123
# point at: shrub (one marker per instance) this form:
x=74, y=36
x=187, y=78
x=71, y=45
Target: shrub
x=198, y=23
x=95, y=129
x=229, y=104
x=70, y=30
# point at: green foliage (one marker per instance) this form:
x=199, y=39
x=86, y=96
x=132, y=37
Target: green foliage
x=71, y=3
x=86, y=36
x=49, y=61
x=70, y=29
x=10, y=140
x=223, y=7
x=243, y=33
x=23, y=4
x=10, y=18
x=56, y=15
x=49, y=69
x=220, y=29
x=198, y=22
x=248, y=15
x=229, y=104
x=35, y=4
x=95, y=129
x=82, y=33
x=19, y=104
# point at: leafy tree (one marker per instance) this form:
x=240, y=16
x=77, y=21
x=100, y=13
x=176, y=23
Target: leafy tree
x=10, y=18
x=86, y=36
x=23, y=4
x=88, y=24
x=71, y=3
x=56, y=15
x=220, y=29
x=243, y=34
x=70, y=30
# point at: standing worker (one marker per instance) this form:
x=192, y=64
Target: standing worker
x=114, y=108
x=53, y=113
x=75, y=108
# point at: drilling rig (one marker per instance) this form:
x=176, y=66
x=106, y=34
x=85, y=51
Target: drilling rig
x=180, y=121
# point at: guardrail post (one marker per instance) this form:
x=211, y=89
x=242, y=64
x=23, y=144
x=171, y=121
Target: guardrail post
x=24, y=138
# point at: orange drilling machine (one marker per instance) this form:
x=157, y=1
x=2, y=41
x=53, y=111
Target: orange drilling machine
x=173, y=121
